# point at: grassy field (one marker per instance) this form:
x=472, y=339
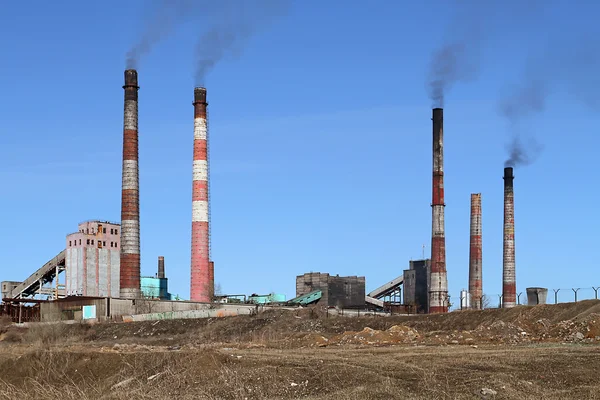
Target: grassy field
x=470, y=355
x=428, y=372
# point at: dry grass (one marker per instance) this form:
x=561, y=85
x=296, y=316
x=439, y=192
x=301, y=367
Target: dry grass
x=551, y=372
x=267, y=357
x=5, y=321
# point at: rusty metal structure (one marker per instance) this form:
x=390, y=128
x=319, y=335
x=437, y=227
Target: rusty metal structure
x=201, y=285
x=438, y=288
x=18, y=312
x=130, y=198
x=509, y=285
x=475, y=254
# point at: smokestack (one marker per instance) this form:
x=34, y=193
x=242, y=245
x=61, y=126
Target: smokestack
x=161, y=267
x=438, y=291
x=130, y=200
x=509, y=286
x=475, y=253
x=200, y=269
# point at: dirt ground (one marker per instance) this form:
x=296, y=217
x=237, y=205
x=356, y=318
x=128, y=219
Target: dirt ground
x=542, y=352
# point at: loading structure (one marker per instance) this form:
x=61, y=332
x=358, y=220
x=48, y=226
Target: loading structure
x=36, y=283
x=390, y=291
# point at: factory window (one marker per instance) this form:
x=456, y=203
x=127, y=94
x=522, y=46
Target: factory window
x=92, y=241
x=79, y=241
x=99, y=244
x=116, y=232
x=69, y=243
x=103, y=230
x=112, y=231
x=87, y=230
x=88, y=241
x=103, y=243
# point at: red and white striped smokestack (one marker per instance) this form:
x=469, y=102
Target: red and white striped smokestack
x=509, y=282
x=438, y=290
x=201, y=284
x=130, y=199
x=475, y=253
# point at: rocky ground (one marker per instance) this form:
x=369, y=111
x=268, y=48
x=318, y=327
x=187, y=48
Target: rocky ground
x=549, y=352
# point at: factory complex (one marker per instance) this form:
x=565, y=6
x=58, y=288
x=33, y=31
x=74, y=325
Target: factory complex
x=97, y=275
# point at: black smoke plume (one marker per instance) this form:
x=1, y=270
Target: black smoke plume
x=569, y=67
x=470, y=26
x=458, y=59
x=521, y=154
x=452, y=63
x=165, y=17
x=233, y=22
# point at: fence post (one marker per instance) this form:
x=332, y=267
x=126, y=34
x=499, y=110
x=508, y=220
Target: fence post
x=499, y=301
x=575, y=291
x=595, y=292
x=556, y=295
x=519, y=298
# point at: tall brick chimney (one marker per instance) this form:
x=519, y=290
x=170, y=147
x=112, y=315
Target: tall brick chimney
x=509, y=285
x=201, y=285
x=475, y=253
x=130, y=199
x=161, y=267
x=438, y=291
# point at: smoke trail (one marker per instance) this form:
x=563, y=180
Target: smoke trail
x=234, y=23
x=214, y=44
x=570, y=65
x=452, y=63
x=458, y=59
x=520, y=154
x=166, y=16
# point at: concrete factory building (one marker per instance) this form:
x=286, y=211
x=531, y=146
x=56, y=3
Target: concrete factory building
x=336, y=291
x=416, y=285
x=93, y=260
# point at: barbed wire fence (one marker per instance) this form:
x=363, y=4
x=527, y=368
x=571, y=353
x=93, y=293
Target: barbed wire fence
x=554, y=296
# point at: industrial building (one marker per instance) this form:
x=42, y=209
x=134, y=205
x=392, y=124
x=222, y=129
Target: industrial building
x=416, y=285
x=156, y=287
x=101, y=261
x=91, y=266
x=336, y=291
x=93, y=260
x=8, y=287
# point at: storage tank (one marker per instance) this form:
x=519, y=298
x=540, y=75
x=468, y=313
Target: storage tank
x=465, y=300
x=536, y=295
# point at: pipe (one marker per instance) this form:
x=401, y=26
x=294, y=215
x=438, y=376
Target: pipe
x=509, y=287
x=475, y=254
x=438, y=290
x=130, y=201
x=200, y=269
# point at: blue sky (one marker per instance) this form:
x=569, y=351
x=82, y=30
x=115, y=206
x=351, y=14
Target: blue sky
x=320, y=141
